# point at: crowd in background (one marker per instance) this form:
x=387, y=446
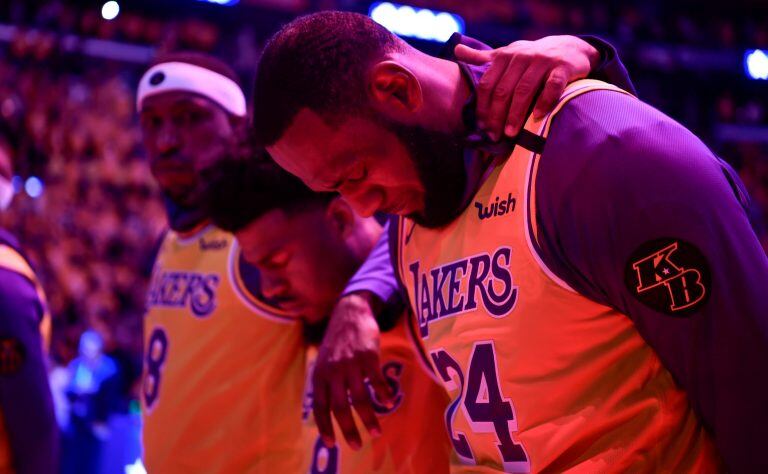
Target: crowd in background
x=92, y=229
x=632, y=20
x=89, y=227
x=69, y=120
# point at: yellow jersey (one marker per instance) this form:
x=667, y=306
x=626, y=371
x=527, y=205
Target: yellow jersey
x=412, y=439
x=542, y=378
x=223, y=372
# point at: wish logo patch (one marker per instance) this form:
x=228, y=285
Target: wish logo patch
x=669, y=275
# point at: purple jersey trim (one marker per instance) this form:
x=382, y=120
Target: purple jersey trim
x=246, y=283
x=394, y=238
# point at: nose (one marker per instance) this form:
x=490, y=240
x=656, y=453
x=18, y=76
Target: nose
x=273, y=286
x=168, y=141
x=366, y=201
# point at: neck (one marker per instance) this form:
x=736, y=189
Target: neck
x=181, y=218
x=445, y=94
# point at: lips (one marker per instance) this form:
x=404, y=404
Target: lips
x=291, y=306
x=171, y=166
x=172, y=173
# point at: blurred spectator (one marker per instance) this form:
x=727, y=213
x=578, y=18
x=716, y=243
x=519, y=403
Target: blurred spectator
x=91, y=393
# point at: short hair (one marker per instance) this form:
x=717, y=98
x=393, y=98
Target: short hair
x=240, y=190
x=317, y=61
x=212, y=63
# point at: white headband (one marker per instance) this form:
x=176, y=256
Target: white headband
x=177, y=76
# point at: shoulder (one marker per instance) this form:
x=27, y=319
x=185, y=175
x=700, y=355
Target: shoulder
x=615, y=173
x=15, y=284
x=14, y=262
x=6, y=238
x=603, y=121
x=13, y=256
x=18, y=291
x=18, y=297
x=605, y=144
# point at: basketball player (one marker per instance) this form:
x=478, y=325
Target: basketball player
x=590, y=293
x=306, y=247
x=29, y=440
x=223, y=371
x=214, y=349
x=503, y=98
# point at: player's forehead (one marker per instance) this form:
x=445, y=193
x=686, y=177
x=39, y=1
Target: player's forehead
x=264, y=234
x=305, y=146
x=275, y=229
x=317, y=150
x=170, y=101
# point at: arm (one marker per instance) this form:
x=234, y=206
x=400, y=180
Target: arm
x=376, y=275
x=640, y=183
x=349, y=353
x=25, y=398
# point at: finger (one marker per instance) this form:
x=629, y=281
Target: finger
x=343, y=413
x=477, y=57
x=527, y=87
x=556, y=84
x=321, y=408
x=486, y=88
x=361, y=401
x=504, y=95
x=372, y=371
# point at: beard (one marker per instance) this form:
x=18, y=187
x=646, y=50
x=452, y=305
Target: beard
x=439, y=161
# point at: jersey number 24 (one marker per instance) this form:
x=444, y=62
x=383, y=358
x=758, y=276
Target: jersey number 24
x=485, y=407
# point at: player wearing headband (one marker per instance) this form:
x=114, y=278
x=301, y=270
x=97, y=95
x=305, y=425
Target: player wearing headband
x=223, y=371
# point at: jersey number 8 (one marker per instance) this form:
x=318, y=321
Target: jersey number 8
x=157, y=350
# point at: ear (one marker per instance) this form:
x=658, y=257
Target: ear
x=394, y=88
x=341, y=217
